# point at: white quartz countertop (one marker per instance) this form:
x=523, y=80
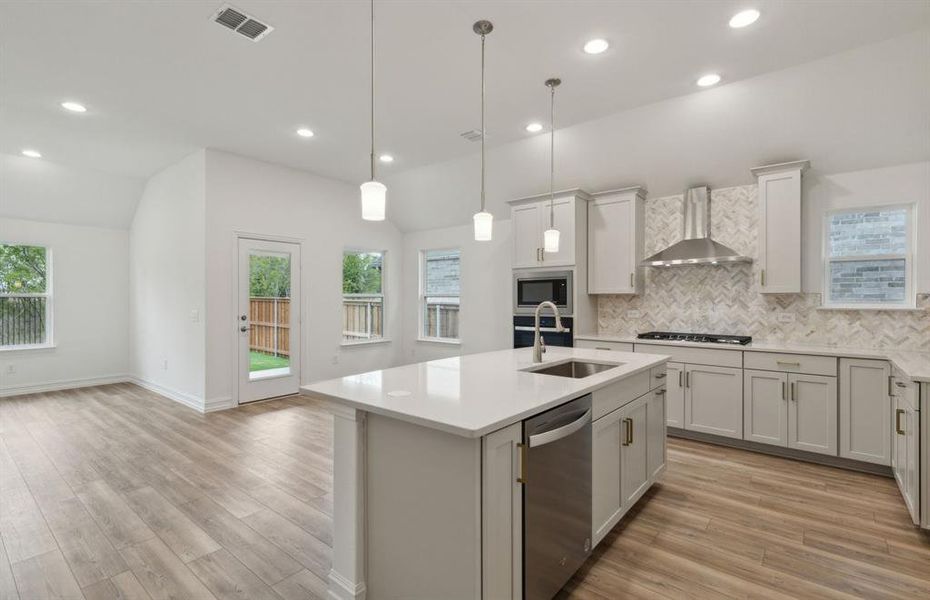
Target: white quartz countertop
x=914, y=365
x=476, y=394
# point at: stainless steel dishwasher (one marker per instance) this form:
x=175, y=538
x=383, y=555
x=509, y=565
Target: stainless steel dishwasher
x=556, y=497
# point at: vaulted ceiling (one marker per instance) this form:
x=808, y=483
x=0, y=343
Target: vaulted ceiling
x=160, y=79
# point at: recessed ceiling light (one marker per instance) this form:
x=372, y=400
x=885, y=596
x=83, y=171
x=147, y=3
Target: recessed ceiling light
x=709, y=80
x=74, y=107
x=534, y=127
x=744, y=18
x=386, y=158
x=596, y=46
x=32, y=153
x=304, y=132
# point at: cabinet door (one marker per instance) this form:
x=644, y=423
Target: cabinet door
x=612, y=256
x=912, y=436
x=865, y=410
x=714, y=400
x=634, y=466
x=765, y=407
x=899, y=443
x=527, y=239
x=502, y=514
x=780, y=232
x=564, y=218
x=675, y=395
x=812, y=413
x=655, y=433
x=606, y=436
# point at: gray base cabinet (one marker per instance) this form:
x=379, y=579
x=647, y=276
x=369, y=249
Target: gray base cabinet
x=865, y=410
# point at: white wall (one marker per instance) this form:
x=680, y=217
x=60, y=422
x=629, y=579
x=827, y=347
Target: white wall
x=245, y=195
x=485, y=318
x=167, y=275
x=90, y=286
x=902, y=184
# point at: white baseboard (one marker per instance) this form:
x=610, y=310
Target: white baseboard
x=65, y=384
x=188, y=400
x=215, y=404
x=341, y=588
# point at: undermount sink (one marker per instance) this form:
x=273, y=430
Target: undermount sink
x=576, y=369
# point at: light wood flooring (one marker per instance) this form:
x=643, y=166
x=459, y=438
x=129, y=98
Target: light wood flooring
x=117, y=493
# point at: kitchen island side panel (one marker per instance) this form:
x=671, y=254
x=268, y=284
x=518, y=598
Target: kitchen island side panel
x=424, y=512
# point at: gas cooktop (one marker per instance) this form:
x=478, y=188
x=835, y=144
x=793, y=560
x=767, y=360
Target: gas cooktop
x=708, y=338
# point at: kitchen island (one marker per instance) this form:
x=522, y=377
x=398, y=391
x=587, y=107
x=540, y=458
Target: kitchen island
x=429, y=457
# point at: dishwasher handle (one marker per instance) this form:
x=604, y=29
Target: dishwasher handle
x=558, y=433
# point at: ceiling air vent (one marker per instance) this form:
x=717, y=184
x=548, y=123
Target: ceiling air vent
x=472, y=135
x=242, y=23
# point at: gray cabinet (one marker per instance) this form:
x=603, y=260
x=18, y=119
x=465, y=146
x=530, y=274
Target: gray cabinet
x=812, y=413
x=765, y=407
x=906, y=446
x=714, y=400
x=865, y=410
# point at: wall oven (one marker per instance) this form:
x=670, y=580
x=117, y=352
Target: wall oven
x=532, y=287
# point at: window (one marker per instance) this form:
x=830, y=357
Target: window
x=362, y=297
x=440, y=273
x=868, y=258
x=25, y=296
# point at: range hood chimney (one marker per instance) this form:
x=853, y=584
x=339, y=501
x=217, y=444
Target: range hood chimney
x=696, y=246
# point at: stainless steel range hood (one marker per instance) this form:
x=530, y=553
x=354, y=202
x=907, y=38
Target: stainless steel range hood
x=696, y=247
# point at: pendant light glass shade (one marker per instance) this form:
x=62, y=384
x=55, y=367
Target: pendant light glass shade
x=484, y=224
x=551, y=240
x=374, y=196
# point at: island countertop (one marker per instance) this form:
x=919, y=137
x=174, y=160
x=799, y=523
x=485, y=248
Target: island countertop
x=476, y=394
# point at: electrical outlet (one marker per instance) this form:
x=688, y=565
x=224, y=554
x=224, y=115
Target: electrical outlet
x=785, y=317
x=195, y=316
x=633, y=314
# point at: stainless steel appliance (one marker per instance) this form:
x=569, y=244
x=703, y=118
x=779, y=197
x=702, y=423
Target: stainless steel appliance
x=532, y=287
x=556, y=497
x=708, y=338
x=524, y=331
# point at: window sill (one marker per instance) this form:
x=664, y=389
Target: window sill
x=28, y=348
x=366, y=342
x=446, y=342
x=874, y=308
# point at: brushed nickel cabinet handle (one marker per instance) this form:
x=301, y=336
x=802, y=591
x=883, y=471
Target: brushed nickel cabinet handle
x=522, y=477
x=762, y=278
x=784, y=390
x=631, y=280
x=660, y=392
x=890, y=389
x=680, y=373
x=788, y=363
x=687, y=379
x=601, y=348
x=794, y=391
x=900, y=385
x=897, y=421
x=631, y=432
x=627, y=432
x=661, y=376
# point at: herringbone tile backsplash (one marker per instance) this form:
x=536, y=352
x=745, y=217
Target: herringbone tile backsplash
x=724, y=298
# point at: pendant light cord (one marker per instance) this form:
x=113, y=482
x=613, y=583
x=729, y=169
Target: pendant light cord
x=551, y=156
x=372, y=155
x=482, y=122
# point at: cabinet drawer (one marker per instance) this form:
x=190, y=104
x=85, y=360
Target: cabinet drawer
x=791, y=363
x=657, y=376
x=695, y=356
x=615, y=395
x=602, y=345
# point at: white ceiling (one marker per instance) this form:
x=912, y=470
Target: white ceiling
x=160, y=79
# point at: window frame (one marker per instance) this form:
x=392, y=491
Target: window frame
x=49, y=300
x=384, y=337
x=910, y=269
x=421, y=297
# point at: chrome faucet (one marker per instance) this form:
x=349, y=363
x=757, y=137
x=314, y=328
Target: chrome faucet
x=539, y=346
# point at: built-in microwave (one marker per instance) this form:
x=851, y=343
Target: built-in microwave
x=532, y=287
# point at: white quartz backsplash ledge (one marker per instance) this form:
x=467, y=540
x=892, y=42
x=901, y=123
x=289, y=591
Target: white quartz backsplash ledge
x=476, y=394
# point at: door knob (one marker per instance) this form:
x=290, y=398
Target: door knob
x=243, y=317
x=244, y=328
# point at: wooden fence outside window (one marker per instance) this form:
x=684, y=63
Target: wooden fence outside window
x=270, y=319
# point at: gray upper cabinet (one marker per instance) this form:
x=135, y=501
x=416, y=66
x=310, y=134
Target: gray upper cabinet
x=779, y=268
x=615, y=241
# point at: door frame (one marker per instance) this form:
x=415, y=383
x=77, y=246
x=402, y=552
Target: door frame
x=300, y=242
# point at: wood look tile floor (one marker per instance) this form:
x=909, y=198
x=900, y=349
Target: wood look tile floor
x=117, y=493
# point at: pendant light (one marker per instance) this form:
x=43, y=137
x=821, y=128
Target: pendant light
x=551, y=235
x=374, y=193
x=484, y=221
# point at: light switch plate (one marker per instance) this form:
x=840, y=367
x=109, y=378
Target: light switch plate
x=785, y=317
x=633, y=314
